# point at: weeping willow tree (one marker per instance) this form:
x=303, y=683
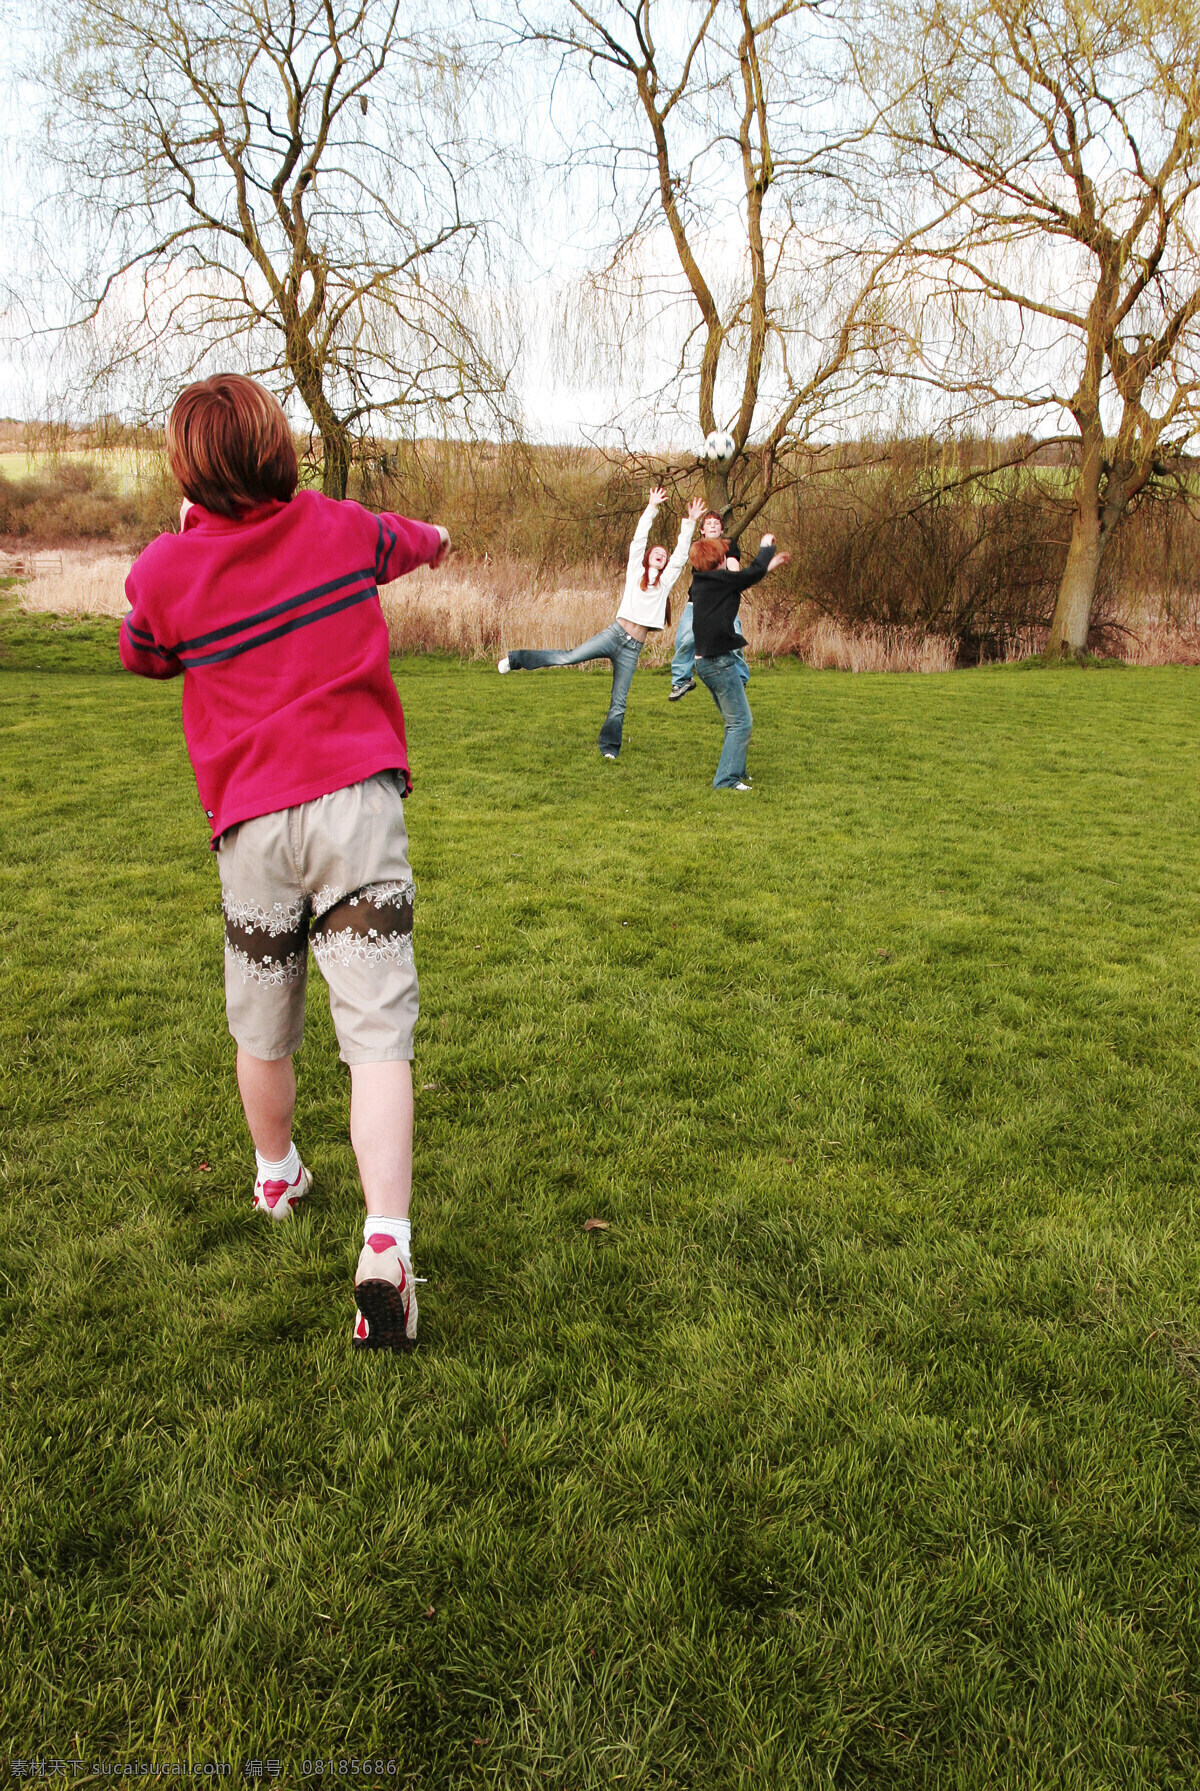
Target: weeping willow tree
x=282, y=186
x=732, y=286
x=1051, y=151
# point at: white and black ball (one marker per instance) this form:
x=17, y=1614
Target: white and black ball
x=719, y=445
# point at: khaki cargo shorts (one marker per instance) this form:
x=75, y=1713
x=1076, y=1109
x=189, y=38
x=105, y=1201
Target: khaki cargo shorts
x=333, y=874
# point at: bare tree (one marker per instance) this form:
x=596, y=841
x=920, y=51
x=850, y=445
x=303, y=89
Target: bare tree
x=1052, y=151
x=273, y=183
x=701, y=126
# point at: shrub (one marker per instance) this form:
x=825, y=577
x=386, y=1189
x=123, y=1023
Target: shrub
x=76, y=500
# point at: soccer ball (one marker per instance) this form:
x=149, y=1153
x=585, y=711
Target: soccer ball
x=720, y=445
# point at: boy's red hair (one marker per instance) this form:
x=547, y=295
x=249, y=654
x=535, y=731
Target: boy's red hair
x=707, y=555
x=229, y=445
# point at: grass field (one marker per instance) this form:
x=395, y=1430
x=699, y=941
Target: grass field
x=861, y=1449
x=124, y=466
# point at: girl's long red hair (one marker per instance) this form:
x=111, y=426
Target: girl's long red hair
x=646, y=584
x=646, y=569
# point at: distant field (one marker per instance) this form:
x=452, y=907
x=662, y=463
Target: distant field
x=124, y=466
x=861, y=1449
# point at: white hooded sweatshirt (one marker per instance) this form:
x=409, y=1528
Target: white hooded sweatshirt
x=648, y=608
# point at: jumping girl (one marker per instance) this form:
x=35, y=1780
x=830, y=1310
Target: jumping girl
x=648, y=581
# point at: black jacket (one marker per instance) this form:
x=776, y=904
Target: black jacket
x=715, y=597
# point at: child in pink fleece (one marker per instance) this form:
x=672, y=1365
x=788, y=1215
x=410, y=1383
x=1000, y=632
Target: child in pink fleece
x=267, y=601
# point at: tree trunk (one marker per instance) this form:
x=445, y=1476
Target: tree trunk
x=335, y=462
x=1077, y=592
x=335, y=437
x=716, y=489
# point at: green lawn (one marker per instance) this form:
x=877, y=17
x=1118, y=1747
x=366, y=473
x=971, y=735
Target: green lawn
x=862, y=1448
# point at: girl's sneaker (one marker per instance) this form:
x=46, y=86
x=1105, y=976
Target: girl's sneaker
x=387, y=1300
x=279, y=1200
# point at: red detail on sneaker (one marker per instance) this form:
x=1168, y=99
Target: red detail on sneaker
x=273, y=1192
x=360, y=1328
x=380, y=1241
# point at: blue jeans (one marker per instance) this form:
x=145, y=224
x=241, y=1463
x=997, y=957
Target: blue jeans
x=611, y=643
x=722, y=677
x=683, y=664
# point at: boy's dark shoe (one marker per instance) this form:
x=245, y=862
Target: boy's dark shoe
x=680, y=690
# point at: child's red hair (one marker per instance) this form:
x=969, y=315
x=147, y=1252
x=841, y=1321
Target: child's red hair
x=708, y=555
x=645, y=584
x=230, y=446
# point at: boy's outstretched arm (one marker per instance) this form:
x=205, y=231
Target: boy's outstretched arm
x=763, y=562
x=404, y=544
x=139, y=650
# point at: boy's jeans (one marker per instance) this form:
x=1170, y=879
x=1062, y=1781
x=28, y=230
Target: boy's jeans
x=722, y=677
x=684, y=661
x=611, y=643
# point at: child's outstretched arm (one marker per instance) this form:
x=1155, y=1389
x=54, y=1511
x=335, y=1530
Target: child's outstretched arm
x=637, y=547
x=404, y=545
x=140, y=651
x=679, y=558
x=763, y=562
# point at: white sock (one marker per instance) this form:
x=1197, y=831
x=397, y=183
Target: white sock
x=287, y=1171
x=400, y=1229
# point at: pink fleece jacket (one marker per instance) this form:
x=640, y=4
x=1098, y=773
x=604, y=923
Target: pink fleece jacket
x=274, y=621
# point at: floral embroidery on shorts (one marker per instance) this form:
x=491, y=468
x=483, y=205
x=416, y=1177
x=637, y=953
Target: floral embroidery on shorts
x=374, y=925
x=327, y=897
x=268, y=945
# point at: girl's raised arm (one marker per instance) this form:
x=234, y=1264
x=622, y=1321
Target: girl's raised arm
x=679, y=558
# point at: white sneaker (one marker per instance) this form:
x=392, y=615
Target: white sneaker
x=743, y=786
x=503, y=666
x=386, y=1298
x=279, y=1199
x=610, y=755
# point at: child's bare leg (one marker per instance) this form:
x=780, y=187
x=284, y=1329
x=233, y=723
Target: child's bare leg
x=268, y=1091
x=381, y=1127
x=381, y=1130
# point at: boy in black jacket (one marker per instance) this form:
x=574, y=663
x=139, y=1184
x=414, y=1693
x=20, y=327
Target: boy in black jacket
x=715, y=597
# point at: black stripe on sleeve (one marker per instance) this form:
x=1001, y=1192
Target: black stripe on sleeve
x=143, y=642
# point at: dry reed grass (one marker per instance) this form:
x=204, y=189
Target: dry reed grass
x=1163, y=644
x=83, y=585
x=1157, y=632
x=479, y=610
x=830, y=645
